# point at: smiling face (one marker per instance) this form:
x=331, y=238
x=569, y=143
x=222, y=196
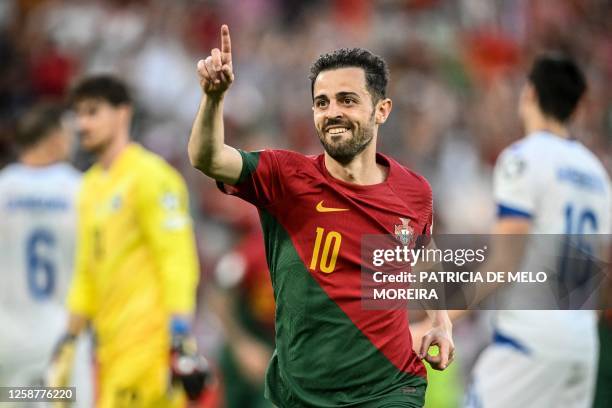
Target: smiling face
x=345, y=115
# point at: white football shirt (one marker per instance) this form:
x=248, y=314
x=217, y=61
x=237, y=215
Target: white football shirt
x=38, y=222
x=564, y=189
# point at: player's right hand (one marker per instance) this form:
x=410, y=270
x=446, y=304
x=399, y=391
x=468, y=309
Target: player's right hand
x=215, y=72
x=440, y=335
x=60, y=368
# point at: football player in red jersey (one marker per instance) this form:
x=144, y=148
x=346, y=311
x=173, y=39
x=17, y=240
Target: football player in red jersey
x=330, y=351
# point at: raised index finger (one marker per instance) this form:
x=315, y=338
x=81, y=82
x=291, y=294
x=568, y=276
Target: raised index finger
x=226, y=45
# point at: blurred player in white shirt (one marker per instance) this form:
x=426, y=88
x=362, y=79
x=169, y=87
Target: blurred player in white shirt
x=546, y=183
x=37, y=242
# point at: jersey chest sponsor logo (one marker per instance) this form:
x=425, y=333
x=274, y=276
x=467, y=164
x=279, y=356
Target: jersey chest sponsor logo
x=404, y=232
x=35, y=203
x=322, y=209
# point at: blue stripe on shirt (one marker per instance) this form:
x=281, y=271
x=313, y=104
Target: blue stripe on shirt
x=505, y=211
x=504, y=340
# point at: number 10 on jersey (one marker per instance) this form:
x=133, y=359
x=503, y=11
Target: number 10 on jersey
x=331, y=248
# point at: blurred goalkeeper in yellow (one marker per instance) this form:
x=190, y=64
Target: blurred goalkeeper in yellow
x=136, y=267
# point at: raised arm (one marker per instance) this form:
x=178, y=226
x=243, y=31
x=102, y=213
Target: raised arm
x=207, y=149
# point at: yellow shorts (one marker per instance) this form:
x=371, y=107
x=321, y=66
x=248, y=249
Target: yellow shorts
x=136, y=398
x=138, y=384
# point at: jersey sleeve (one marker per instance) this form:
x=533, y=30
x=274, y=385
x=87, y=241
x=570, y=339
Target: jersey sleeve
x=514, y=184
x=163, y=211
x=81, y=294
x=260, y=181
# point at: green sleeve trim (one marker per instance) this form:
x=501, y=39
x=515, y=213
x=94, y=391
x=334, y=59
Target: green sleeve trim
x=249, y=164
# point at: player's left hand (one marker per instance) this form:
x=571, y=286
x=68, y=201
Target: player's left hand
x=60, y=368
x=441, y=336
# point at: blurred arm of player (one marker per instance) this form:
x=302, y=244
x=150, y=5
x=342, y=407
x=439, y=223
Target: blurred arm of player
x=163, y=211
x=207, y=149
x=508, y=240
x=434, y=330
x=251, y=355
x=507, y=248
x=515, y=193
x=81, y=303
x=62, y=360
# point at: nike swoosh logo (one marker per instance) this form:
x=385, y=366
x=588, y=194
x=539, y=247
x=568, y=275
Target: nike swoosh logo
x=322, y=209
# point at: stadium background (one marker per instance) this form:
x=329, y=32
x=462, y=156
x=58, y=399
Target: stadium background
x=456, y=69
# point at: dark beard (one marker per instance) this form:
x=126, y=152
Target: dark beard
x=345, y=152
x=99, y=149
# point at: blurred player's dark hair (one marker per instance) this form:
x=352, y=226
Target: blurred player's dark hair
x=559, y=84
x=375, y=68
x=37, y=124
x=102, y=87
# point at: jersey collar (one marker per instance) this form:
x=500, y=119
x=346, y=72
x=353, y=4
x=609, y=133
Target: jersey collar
x=371, y=189
x=123, y=161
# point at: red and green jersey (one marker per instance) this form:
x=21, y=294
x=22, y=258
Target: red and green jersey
x=331, y=352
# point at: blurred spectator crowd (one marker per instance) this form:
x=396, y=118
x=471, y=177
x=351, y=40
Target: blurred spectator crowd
x=456, y=70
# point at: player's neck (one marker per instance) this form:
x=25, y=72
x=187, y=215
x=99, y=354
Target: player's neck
x=107, y=157
x=39, y=156
x=544, y=124
x=362, y=170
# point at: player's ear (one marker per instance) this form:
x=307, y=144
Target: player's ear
x=383, y=109
x=126, y=112
x=529, y=95
x=528, y=101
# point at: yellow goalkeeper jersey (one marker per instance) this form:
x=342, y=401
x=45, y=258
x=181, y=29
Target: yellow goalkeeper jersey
x=136, y=260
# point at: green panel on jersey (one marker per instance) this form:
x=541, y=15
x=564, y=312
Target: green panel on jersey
x=322, y=359
x=249, y=164
x=603, y=394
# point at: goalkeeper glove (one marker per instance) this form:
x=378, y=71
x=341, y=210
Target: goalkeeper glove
x=188, y=368
x=62, y=359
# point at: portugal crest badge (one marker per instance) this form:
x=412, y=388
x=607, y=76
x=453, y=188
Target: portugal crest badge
x=404, y=232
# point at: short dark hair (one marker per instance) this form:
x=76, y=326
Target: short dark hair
x=36, y=124
x=559, y=84
x=374, y=67
x=103, y=87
